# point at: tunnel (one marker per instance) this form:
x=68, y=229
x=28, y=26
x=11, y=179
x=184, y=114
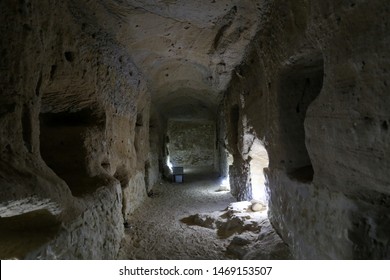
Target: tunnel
x=194, y=130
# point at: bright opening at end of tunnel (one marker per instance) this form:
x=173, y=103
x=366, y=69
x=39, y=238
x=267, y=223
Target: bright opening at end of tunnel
x=225, y=185
x=258, y=163
x=258, y=189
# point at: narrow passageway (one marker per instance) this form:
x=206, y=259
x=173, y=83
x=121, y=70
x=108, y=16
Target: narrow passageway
x=288, y=101
x=156, y=230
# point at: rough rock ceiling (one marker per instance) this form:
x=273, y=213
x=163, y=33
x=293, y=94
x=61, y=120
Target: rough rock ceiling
x=186, y=49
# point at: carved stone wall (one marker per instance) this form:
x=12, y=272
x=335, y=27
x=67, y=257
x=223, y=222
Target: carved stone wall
x=313, y=88
x=192, y=143
x=72, y=151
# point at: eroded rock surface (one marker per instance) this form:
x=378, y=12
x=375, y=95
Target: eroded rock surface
x=249, y=232
x=70, y=143
x=294, y=89
x=192, y=143
x=313, y=90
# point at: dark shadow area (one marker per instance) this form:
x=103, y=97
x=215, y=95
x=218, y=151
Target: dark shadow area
x=303, y=174
x=300, y=85
x=24, y=233
x=62, y=137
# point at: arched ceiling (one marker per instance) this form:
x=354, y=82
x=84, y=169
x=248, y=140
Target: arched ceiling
x=186, y=49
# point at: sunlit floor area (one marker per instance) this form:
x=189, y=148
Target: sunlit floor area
x=196, y=220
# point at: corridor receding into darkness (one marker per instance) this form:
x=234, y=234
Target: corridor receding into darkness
x=204, y=129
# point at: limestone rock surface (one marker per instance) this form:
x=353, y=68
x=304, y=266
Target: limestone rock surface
x=313, y=89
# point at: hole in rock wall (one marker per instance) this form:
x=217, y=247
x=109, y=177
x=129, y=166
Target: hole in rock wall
x=23, y=233
x=259, y=161
x=62, y=137
x=299, y=86
x=69, y=56
x=139, y=121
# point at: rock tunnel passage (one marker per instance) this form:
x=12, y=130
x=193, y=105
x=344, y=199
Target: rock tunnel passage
x=285, y=100
x=164, y=228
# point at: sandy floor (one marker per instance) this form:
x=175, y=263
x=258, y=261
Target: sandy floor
x=156, y=231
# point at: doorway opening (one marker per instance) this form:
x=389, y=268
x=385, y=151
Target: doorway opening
x=259, y=161
x=300, y=85
x=62, y=146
